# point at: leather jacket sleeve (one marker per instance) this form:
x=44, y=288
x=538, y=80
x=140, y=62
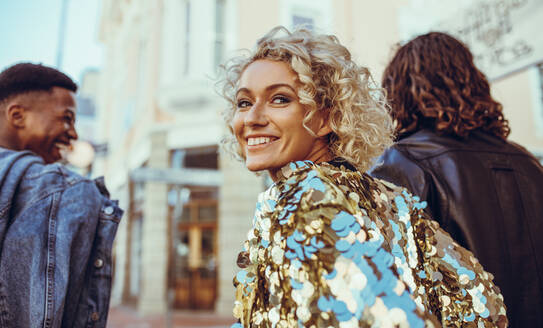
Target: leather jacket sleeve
x=397, y=167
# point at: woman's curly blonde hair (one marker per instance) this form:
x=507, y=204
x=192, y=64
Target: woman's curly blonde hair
x=331, y=82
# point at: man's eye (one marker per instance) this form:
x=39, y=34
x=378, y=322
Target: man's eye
x=243, y=104
x=280, y=100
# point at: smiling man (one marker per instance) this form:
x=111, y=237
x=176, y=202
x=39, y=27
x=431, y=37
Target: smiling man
x=56, y=227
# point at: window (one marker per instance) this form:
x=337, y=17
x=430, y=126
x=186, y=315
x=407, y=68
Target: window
x=186, y=40
x=299, y=20
x=313, y=15
x=195, y=158
x=219, y=32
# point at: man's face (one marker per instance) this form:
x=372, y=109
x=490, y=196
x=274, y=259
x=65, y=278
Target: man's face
x=49, y=124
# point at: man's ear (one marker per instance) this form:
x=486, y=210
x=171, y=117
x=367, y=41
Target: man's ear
x=16, y=115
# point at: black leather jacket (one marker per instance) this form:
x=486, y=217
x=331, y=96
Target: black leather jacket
x=488, y=194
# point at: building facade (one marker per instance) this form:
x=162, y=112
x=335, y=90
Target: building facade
x=188, y=206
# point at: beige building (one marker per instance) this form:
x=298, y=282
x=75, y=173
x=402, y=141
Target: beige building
x=188, y=207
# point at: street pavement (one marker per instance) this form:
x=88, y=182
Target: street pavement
x=127, y=317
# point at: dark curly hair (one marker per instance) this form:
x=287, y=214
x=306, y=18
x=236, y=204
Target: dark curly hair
x=27, y=77
x=433, y=83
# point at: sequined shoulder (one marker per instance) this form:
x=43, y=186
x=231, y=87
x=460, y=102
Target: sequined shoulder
x=333, y=247
x=318, y=260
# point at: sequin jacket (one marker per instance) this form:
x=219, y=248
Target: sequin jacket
x=334, y=247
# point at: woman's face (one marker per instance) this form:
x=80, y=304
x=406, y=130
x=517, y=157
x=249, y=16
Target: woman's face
x=268, y=122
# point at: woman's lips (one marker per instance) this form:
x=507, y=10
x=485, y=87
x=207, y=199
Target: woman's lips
x=256, y=141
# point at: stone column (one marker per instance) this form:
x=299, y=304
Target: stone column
x=120, y=247
x=155, y=236
x=237, y=200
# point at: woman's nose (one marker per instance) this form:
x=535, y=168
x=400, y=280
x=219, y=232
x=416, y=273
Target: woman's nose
x=256, y=115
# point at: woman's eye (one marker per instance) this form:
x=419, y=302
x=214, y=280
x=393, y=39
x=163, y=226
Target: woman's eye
x=280, y=100
x=243, y=104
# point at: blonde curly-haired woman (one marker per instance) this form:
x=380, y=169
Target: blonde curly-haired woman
x=330, y=246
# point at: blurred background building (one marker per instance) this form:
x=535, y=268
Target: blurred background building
x=151, y=112
x=189, y=206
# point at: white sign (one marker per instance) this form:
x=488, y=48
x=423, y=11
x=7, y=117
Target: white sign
x=503, y=35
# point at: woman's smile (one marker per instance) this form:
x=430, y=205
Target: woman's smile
x=269, y=119
x=255, y=142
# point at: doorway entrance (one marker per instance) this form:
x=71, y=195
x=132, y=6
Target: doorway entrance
x=194, y=260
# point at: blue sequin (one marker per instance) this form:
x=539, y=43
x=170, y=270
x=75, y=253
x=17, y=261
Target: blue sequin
x=339, y=307
x=290, y=255
x=342, y=245
x=242, y=277
x=355, y=227
x=404, y=301
x=296, y=264
x=331, y=275
x=350, y=253
x=461, y=270
x=401, y=205
x=300, y=252
x=315, y=243
x=309, y=250
x=346, y=316
x=325, y=304
x=271, y=203
x=343, y=233
x=291, y=242
x=298, y=236
x=421, y=205
x=296, y=284
x=341, y=221
x=317, y=185
x=470, y=317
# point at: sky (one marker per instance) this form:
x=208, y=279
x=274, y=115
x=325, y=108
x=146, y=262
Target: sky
x=29, y=31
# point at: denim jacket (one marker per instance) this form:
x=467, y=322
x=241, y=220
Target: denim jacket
x=56, y=235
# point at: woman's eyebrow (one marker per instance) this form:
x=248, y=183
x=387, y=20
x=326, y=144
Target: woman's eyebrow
x=243, y=90
x=268, y=88
x=279, y=85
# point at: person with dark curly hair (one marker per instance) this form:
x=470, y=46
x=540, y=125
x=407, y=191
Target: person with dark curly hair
x=452, y=151
x=56, y=227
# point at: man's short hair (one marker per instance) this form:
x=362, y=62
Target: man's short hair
x=27, y=77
